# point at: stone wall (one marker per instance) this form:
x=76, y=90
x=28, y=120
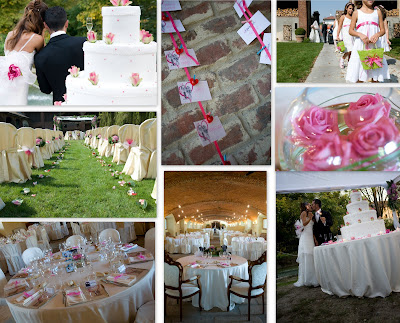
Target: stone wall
x=239, y=85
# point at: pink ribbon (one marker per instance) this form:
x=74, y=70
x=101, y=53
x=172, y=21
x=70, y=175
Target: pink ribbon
x=346, y=26
x=371, y=60
x=119, y=276
x=74, y=294
x=15, y=283
x=367, y=23
x=141, y=257
x=27, y=295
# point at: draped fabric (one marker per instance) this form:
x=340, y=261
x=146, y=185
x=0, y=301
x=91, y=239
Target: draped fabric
x=154, y=193
x=27, y=142
x=45, y=151
x=129, y=137
x=107, y=149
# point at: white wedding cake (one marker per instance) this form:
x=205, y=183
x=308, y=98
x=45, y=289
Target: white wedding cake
x=114, y=64
x=360, y=222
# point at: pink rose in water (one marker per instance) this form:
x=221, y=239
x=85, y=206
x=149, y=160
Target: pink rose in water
x=368, y=109
x=74, y=71
x=312, y=123
x=93, y=78
x=366, y=141
x=109, y=38
x=91, y=36
x=135, y=79
x=146, y=37
x=329, y=152
x=14, y=72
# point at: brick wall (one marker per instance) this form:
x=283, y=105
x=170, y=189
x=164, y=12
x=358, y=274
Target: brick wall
x=239, y=85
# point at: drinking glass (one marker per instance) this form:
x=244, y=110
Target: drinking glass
x=325, y=237
x=89, y=23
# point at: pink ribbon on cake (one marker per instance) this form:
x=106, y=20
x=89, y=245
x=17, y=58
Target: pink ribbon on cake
x=371, y=60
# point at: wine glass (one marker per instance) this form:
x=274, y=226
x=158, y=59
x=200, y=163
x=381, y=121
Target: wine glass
x=89, y=23
x=325, y=237
x=330, y=235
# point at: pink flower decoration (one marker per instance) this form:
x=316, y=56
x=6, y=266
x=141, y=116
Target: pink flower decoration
x=312, y=123
x=92, y=36
x=367, y=140
x=146, y=37
x=135, y=79
x=57, y=103
x=65, y=99
x=329, y=152
x=115, y=2
x=368, y=109
x=14, y=72
x=129, y=141
x=125, y=2
x=41, y=176
x=115, y=138
x=109, y=38
x=387, y=231
x=113, y=187
x=74, y=71
x=93, y=78
x=141, y=201
x=34, y=183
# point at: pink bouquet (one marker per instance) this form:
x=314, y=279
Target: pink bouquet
x=14, y=72
x=113, y=139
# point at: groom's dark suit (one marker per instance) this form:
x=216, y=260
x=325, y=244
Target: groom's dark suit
x=320, y=229
x=54, y=60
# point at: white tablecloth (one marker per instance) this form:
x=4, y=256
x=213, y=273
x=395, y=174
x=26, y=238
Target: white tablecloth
x=368, y=267
x=214, y=281
x=121, y=306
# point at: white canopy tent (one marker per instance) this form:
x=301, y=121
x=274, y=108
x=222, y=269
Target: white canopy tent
x=310, y=182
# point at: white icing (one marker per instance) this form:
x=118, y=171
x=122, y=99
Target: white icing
x=123, y=22
x=360, y=230
x=355, y=196
x=357, y=207
x=364, y=216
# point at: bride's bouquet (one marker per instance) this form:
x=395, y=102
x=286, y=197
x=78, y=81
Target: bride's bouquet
x=299, y=228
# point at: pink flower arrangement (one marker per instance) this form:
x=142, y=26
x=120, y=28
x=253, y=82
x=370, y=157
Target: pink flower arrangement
x=372, y=218
x=135, y=79
x=74, y=71
x=146, y=37
x=347, y=223
x=359, y=220
x=131, y=192
x=141, y=201
x=109, y=38
x=113, y=139
x=57, y=103
x=91, y=36
x=120, y=2
x=14, y=72
x=93, y=78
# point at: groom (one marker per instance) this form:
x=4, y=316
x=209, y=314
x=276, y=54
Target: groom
x=62, y=52
x=322, y=224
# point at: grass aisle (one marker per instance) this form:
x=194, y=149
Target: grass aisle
x=295, y=61
x=77, y=187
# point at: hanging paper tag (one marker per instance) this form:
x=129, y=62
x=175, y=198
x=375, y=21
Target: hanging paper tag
x=176, y=61
x=171, y=5
x=209, y=132
x=260, y=23
x=189, y=93
x=264, y=59
x=240, y=3
x=166, y=26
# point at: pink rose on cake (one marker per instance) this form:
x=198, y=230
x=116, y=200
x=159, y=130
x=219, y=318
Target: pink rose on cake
x=120, y=2
x=14, y=72
x=329, y=152
x=314, y=122
x=74, y=71
x=109, y=38
x=135, y=79
x=146, y=37
x=93, y=78
x=91, y=36
x=368, y=109
x=367, y=140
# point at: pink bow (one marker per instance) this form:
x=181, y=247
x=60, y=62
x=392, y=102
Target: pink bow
x=74, y=294
x=15, y=283
x=141, y=257
x=27, y=295
x=371, y=60
x=119, y=276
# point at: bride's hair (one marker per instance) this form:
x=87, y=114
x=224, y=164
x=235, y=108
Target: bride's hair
x=303, y=206
x=31, y=21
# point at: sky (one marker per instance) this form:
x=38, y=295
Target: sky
x=327, y=8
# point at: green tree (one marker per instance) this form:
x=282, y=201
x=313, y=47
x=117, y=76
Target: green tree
x=121, y=118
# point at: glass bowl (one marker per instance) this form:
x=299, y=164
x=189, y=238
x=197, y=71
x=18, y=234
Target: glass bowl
x=328, y=129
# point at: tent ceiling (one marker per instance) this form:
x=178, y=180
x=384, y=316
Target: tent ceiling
x=214, y=195
x=308, y=182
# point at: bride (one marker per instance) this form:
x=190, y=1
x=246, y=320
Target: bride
x=305, y=255
x=20, y=47
x=314, y=34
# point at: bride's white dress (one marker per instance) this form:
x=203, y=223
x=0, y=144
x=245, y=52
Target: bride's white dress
x=15, y=92
x=305, y=258
x=314, y=33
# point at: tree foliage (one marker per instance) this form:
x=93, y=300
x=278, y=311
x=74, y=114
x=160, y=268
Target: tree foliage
x=288, y=211
x=121, y=118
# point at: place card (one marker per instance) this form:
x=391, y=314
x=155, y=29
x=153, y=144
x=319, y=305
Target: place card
x=166, y=26
x=209, y=132
x=240, y=3
x=91, y=283
x=170, y=5
x=121, y=268
x=264, y=59
x=260, y=23
x=176, y=61
x=189, y=93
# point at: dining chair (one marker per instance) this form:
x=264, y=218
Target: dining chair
x=109, y=233
x=30, y=254
x=185, y=247
x=149, y=241
x=177, y=288
x=254, y=286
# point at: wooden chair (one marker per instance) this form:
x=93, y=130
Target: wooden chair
x=254, y=286
x=177, y=288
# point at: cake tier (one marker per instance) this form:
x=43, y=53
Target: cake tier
x=357, y=207
x=117, y=62
x=364, y=216
x=361, y=230
x=81, y=92
x=355, y=197
x=123, y=22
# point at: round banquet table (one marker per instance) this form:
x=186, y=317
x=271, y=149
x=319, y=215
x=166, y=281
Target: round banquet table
x=368, y=267
x=121, y=306
x=215, y=280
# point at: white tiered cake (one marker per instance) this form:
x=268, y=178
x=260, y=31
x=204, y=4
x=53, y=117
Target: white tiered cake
x=361, y=221
x=115, y=63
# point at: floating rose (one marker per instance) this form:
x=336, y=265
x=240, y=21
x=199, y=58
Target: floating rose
x=109, y=38
x=14, y=72
x=93, y=78
x=74, y=71
x=135, y=79
x=92, y=36
x=17, y=202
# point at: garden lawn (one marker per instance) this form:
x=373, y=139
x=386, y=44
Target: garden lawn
x=78, y=187
x=295, y=60
x=395, y=51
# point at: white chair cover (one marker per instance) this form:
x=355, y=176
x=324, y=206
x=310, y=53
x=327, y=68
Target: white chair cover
x=31, y=253
x=146, y=313
x=44, y=243
x=185, y=247
x=49, y=140
x=31, y=242
x=45, y=151
x=3, y=283
x=64, y=229
x=12, y=254
x=76, y=230
x=109, y=233
x=108, y=149
x=128, y=137
x=256, y=250
x=27, y=142
x=74, y=241
x=56, y=232
x=154, y=193
x=149, y=241
x=127, y=233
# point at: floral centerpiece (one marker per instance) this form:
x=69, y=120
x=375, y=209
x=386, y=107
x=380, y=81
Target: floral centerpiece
x=393, y=195
x=40, y=142
x=113, y=139
x=98, y=137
